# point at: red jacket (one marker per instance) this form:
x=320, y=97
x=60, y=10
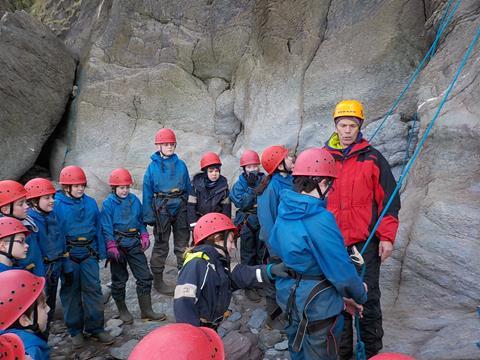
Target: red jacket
x=361, y=191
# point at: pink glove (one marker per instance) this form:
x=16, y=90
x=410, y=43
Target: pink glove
x=145, y=241
x=112, y=250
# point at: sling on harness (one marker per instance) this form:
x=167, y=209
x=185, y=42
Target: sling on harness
x=163, y=207
x=73, y=241
x=323, y=284
x=245, y=222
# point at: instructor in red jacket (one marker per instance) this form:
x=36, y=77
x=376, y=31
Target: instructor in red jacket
x=363, y=187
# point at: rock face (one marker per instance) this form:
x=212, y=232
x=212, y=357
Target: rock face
x=36, y=79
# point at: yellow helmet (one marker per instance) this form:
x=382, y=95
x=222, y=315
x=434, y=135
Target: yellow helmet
x=349, y=108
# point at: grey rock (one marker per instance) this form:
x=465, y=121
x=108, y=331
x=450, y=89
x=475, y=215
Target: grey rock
x=268, y=338
x=235, y=316
x=35, y=84
x=113, y=323
x=239, y=346
x=123, y=351
x=281, y=346
x=115, y=331
x=258, y=318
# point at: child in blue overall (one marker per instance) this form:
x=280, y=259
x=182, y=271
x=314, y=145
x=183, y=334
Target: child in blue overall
x=244, y=197
x=79, y=218
x=13, y=203
x=50, y=238
x=13, y=246
x=166, y=186
x=209, y=191
x=127, y=239
x=24, y=311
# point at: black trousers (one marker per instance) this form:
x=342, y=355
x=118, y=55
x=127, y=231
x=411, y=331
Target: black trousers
x=161, y=232
x=136, y=259
x=371, y=329
x=251, y=248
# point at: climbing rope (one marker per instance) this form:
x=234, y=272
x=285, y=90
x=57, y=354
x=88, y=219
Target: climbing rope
x=444, y=22
x=360, y=345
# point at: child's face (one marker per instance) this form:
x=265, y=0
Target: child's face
x=43, y=310
x=231, y=243
x=213, y=173
x=20, y=208
x=167, y=149
x=122, y=191
x=77, y=191
x=251, y=168
x=46, y=202
x=20, y=247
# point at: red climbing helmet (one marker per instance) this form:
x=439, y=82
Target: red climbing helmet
x=10, y=226
x=249, y=157
x=391, y=356
x=210, y=224
x=120, y=177
x=11, y=191
x=18, y=292
x=209, y=159
x=180, y=342
x=72, y=175
x=315, y=162
x=11, y=347
x=39, y=187
x=272, y=157
x=165, y=136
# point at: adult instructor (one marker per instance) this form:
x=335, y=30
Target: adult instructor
x=363, y=187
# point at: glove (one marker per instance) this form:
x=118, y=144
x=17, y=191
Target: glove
x=277, y=270
x=112, y=250
x=68, y=278
x=252, y=179
x=145, y=241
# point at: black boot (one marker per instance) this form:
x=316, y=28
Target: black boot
x=123, y=312
x=146, y=311
x=161, y=286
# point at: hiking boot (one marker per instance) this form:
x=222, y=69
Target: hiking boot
x=104, y=337
x=161, y=286
x=123, y=312
x=146, y=311
x=77, y=341
x=252, y=295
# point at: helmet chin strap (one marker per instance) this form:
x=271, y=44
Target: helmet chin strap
x=324, y=194
x=10, y=249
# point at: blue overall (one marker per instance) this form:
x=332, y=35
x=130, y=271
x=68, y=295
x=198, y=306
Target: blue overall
x=166, y=186
x=308, y=240
x=252, y=250
x=35, y=346
x=53, y=248
x=82, y=300
x=122, y=221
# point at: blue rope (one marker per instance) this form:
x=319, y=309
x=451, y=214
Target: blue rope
x=404, y=175
x=443, y=25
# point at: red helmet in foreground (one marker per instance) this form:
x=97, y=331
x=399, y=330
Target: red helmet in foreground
x=11, y=347
x=210, y=224
x=179, y=342
x=315, y=162
x=391, y=356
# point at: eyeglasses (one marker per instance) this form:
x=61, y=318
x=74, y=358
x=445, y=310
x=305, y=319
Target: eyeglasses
x=21, y=242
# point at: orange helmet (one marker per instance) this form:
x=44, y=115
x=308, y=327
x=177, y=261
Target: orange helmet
x=249, y=157
x=272, y=157
x=210, y=224
x=165, y=136
x=209, y=159
x=11, y=191
x=72, y=175
x=11, y=347
x=120, y=177
x=10, y=226
x=180, y=342
x=315, y=162
x=39, y=187
x=392, y=356
x=19, y=290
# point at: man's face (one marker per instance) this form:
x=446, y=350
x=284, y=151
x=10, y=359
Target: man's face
x=347, y=129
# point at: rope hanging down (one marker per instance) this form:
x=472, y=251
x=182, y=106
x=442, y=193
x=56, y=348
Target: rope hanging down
x=444, y=22
x=360, y=345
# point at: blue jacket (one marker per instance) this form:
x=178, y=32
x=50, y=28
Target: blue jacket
x=268, y=201
x=121, y=215
x=4, y=267
x=245, y=199
x=162, y=176
x=80, y=218
x=51, y=241
x=35, y=346
x=307, y=239
x=204, y=287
